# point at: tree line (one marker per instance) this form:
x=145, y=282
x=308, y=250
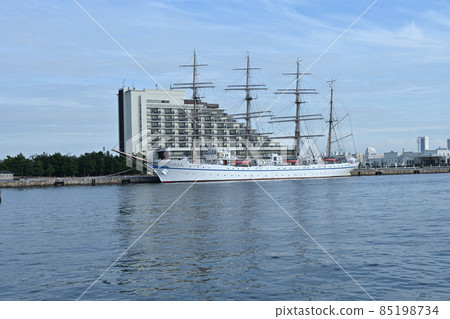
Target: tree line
x=58, y=165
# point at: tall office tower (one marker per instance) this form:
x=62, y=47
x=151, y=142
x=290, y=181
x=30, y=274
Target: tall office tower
x=423, y=143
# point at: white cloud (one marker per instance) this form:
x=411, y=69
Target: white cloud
x=407, y=36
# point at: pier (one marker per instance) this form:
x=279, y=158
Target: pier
x=69, y=181
x=400, y=170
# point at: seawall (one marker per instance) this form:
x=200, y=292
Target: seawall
x=68, y=181
x=401, y=170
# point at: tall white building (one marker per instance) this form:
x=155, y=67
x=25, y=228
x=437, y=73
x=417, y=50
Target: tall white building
x=370, y=153
x=151, y=120
x=423, y=144
x=448, y=144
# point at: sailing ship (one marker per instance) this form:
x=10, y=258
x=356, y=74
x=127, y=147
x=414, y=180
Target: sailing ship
x=220, y=166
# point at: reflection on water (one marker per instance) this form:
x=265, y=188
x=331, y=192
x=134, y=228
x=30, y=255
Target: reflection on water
x=229, y=241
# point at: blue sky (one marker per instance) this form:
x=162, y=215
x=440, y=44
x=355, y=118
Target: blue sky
x=61, y=72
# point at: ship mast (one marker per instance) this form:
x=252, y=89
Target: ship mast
x=330, y=121
x=194, y=86
x=298, y=101
x=248, y=98
x=333, y=122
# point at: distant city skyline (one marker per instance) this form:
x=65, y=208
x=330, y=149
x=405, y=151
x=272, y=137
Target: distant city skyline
x=61, y=72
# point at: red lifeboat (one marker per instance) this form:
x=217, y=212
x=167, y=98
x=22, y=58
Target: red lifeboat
x=242, y=162
x=330, y=160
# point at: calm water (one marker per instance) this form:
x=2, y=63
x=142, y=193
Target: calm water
x=229, y=241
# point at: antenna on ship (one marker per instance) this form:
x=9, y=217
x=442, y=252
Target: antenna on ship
x=194, y=86
x=297, y=117
x=247, y=87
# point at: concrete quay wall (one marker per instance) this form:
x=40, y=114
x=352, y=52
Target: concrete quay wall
x=400, y=170
x=68, y=181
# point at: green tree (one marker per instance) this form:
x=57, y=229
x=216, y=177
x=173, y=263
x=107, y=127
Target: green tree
x=20, y=165
x=49, y=170
x=94, y=163
x=38, y=167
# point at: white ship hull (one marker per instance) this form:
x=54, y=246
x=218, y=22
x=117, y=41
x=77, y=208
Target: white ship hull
x=184, y=171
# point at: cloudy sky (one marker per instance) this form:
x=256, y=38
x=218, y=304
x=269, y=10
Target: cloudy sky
x=61, y=71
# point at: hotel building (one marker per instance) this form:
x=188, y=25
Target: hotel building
x=151, y=120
